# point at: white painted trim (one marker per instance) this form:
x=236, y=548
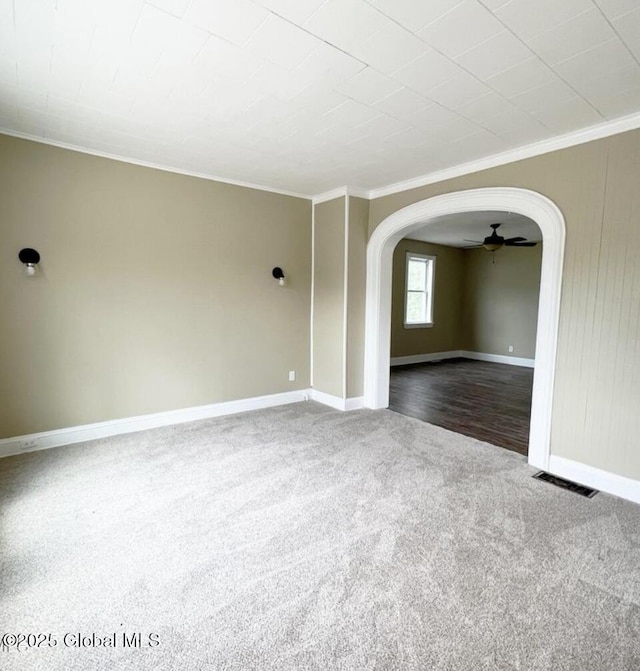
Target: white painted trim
x=313, y=292
x=345, y=303
x=618, y=485
x=339, y=193
x=499, y=358
x=378, y=293
x=596, y=132
x=80, y=434
x=424, y=358
x=330, y=195
x=344, y=404
x=150, y=164
x=355, y=403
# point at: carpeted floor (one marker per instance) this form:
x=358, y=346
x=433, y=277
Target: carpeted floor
x=304, y=538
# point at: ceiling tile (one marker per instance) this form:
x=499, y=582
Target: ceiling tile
x=175, y=7
x=368, y=86
x=485, y=108
x=157, y=31
x=501, y=52
x=441, y=123
x=328, y=66
x=611, y=93
x=600, y=60
x=568, y=115
x=572, y=37
x=464, y=27
x=494, y=4
x=474, y=146
x=522, y=77
x=628, y=27
x=390, y=48
x=376, y=128
x=351, y=113
x=616, y=104
x=528, y=18
x=220, y=59
x=401, y=103
x=458, y=91
x=318, y=101
x=543, y=96
x=234, y=21
x=415, y=15
x=274, y=80
x=614, y=8
x=280, y=42
x=297, y=11
x=345, y=23
x=428, y=71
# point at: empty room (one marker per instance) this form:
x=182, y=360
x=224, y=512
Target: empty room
x=319, y=335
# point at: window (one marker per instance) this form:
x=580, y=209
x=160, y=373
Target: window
x=418, y=304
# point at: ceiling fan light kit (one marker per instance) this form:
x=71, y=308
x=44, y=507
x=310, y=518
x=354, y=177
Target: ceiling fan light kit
x=494, y=241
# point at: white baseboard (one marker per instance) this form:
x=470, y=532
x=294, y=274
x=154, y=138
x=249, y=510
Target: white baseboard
x=424, y=358
x=454, y=354
x=618, y=485
x=499, y=358
x=80, y=434
x=336, y=402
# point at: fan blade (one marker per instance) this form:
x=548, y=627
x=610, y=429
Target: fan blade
x=520, y=244
x=508, y=240
x=472, y=246
x=478, y=242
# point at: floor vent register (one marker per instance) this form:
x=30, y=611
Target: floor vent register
x=566, y=484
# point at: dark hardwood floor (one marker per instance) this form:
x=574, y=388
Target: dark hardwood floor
x=488, y=401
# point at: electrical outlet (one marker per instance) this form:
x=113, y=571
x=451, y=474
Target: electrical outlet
x=292, y=376
x=511, y=348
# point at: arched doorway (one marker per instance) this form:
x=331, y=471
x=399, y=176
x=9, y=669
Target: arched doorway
x=378, y=293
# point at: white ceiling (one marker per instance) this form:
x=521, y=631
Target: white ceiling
x=309, y=95
x=455, y=230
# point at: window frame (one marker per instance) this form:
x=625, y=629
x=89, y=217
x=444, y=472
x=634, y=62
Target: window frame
x=429, y=290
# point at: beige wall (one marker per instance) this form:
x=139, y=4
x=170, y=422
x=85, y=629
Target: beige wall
x=328, y=304
x=357, y=261
x=501, y=300
x=447, y=332
x=155, y=290
x=595, y=412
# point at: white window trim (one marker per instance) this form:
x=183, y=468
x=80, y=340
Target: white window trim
x=431, y=282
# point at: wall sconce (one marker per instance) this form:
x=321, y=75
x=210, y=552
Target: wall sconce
x=30, y=258
x=278, y=275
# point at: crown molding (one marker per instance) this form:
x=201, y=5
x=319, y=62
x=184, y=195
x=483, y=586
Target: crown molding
x=574, y=138
x=149, y=164
x=597, y=132
x=341, y=191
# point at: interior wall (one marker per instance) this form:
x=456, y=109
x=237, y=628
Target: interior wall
x=154, y=291
x=329, y=298
x=595, y=419
x=447, y=332
x=500, y=306
x=356, y=291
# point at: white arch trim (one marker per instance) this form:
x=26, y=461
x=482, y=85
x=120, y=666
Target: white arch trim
x=378, y=294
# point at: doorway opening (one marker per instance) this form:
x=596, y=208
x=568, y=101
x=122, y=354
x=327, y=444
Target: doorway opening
x=401, y=224
x=463, y=325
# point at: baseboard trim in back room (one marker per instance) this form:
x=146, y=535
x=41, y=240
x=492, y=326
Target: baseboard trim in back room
x=464, y=354
x=80, y=434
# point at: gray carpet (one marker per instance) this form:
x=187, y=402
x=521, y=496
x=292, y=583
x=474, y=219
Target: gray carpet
x=304, y=538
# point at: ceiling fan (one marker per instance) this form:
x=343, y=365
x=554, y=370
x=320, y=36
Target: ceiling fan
x=494, y=241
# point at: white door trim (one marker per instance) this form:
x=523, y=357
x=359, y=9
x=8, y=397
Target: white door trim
x=378, y=294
